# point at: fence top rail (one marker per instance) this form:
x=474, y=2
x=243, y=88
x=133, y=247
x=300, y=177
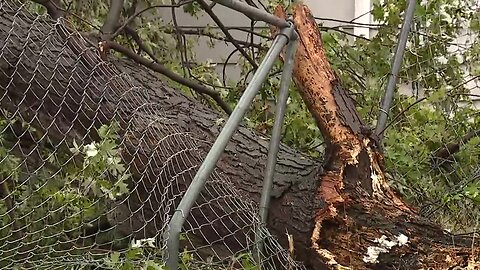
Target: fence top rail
x=254, y=13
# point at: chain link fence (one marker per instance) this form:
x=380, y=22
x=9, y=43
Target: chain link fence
x=92, y=168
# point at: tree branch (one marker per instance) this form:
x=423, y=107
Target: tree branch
x=54, y=7
x=250, y=31
x=203, y=32
x=168, y=73
x=180, y=44
x=401, y=114
x=112, y=20
x=336, y=29
x=350, y=23
x=134, y=35
x=452, y=148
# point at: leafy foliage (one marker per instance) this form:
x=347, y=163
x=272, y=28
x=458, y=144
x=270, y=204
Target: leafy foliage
x=62, y=195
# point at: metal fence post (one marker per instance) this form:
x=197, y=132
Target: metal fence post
x=183, y=209
x=396, y=65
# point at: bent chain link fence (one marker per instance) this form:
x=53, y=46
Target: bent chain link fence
x=92, y=170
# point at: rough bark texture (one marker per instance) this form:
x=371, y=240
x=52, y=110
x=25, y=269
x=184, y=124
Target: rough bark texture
x=333, y=210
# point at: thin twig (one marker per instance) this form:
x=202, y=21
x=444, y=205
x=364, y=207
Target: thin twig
x=358, y=78
x=250, y=31
x=203, y=32
x=336, y=29
x=401, y=113
x=252, y=41
x=224, y=68
x=179, y=38
x=134, y=35
x=422, y=99
x=350, y=23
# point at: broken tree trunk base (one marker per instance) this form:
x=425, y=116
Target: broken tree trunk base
x=352, y=239
x=359, y=222
x=350, y=233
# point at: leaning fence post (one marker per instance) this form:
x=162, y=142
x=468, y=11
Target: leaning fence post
x=208, y=165
x=275, y=139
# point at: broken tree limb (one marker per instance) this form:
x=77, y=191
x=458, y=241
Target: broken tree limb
x=445, y=153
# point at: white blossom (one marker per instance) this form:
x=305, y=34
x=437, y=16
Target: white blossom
x=136, y=244
x=147, y=242
x=91, y=150
x=442, y=60
x=150, y=242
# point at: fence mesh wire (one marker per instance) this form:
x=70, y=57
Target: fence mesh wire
x=92, y=169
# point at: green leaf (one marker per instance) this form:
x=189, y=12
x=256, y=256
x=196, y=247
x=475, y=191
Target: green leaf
x=472, y=191
x=151, y=265
x=127, y=266
x=438, y=96
x=122, y=187
x=115, y=257
x=192, y=8
x=134, y=253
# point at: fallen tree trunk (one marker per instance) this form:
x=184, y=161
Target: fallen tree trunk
x=334, y=210
x=53, y=80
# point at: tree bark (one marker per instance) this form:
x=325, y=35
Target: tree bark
x=335, y=210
